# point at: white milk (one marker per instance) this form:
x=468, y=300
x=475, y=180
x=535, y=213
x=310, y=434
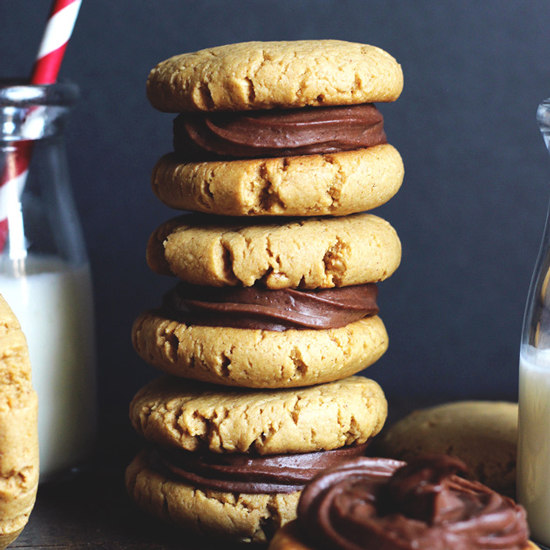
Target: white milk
x=53, y=303
x=533, y=468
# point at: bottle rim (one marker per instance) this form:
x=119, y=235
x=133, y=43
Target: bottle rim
x=18, y=93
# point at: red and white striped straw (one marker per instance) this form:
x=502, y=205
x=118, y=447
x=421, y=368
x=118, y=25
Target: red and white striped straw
x=54, y=42
x=57, y=33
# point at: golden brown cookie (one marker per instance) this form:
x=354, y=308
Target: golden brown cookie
x=295, y=253
x=265, y=75
x=258, y=358
x=18, y=429
x=176, y=414
x=483, y=434
x=239, y=516
x=193, y=416
x=312, y=185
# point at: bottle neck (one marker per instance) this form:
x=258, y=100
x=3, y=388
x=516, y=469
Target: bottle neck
x=34, y=112
x=37, y=215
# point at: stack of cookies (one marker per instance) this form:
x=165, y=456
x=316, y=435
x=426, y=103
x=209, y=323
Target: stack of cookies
x=278, y=151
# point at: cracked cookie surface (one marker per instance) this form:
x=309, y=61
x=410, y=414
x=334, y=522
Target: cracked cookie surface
x=264, y=75
x=241, y=517
x=294, y=253
x=258, y=358
x=196, y=416
x=313, y=185
x=18, y=429
x=483, y=434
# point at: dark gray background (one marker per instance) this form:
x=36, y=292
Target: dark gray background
x=471, y=211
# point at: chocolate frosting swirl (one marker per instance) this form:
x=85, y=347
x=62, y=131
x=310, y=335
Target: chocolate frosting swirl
x=251, y=474
x=256, y=307
x=384, y=504
x=274, y=133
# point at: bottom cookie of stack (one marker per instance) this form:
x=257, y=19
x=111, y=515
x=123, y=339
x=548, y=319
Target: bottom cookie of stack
x=232, y=463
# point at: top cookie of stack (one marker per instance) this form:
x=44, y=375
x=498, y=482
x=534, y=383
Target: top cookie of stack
x=278, y=129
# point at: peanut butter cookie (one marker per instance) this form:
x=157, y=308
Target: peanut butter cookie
x=301, y=253
x=311, y=185
x=255, y=358
x=213, y=422
x=483, y=434
x=265, y=75
x=18, y=429
x=174, y=412
x=238, y=516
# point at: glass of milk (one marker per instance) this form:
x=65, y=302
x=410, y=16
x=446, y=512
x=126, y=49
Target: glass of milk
x=44, y=271
x=533, y=466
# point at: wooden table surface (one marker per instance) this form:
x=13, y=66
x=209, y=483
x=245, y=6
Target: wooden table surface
x=93, y=511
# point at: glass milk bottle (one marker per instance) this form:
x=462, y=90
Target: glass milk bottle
x=44, y=270
x=533, y=467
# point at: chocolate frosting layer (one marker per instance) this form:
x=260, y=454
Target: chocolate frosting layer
x=256, y=307
x=280, y=132
x=378, y=503
x=251, y=474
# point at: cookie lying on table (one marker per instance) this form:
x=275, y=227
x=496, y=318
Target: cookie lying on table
x=232, y=462
x=18, y=429
x=483, y=434
x=370, y=503
x=278, y=128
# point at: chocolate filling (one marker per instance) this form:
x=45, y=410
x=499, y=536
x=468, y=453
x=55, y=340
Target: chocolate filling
x=252, y=474
x=256, y=307
x=275, y=133
x=385, y=504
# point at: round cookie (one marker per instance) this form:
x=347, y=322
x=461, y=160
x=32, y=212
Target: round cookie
x=194, y=416
x=258, y=358
x=312, y=185
x=483, y=434
x=301, y=253
x=242, y=517
x=265, y=75
x=18, y=429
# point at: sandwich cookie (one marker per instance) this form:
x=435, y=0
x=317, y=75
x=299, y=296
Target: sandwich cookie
x=232, y=463
x=278, y=128
x=19, y=429
x=380, y=503
x=483, y=434
x=251, y=328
